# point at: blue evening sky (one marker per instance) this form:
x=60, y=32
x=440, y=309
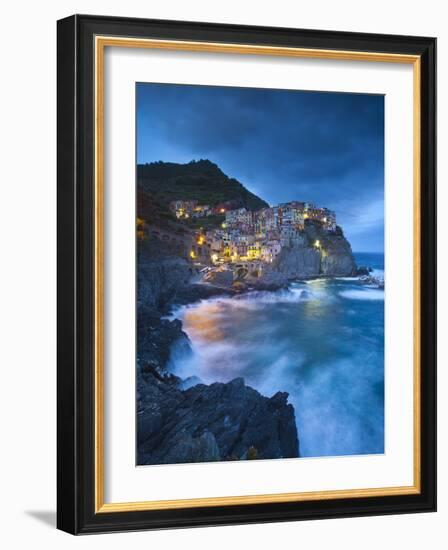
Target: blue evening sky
x=321, y=147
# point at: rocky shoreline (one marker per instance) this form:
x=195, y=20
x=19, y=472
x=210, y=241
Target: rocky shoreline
x=181, y=421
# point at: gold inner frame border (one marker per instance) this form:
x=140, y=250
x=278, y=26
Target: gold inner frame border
x=101, y=42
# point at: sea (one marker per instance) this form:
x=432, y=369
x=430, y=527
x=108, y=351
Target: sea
x=322, y=341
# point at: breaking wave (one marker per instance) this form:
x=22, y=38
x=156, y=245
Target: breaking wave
x=366, y=294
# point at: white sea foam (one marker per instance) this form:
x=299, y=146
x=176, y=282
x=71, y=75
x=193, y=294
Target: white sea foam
x=291, y=295
x=257, y=299
x=365, y=294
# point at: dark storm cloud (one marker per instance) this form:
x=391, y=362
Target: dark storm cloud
x=283, y=145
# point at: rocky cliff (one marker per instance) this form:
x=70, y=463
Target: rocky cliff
x=160, y=274
x=209, y=423
x=316, y=253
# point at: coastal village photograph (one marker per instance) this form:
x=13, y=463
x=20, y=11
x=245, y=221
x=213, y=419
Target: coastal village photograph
x=260, y=274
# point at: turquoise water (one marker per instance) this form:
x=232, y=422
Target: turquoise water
x=321, y=341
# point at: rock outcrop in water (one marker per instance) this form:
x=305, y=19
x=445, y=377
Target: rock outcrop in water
x=210, y=423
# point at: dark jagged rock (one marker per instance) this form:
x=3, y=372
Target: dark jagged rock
x=369, y=280
x=159, y=280
x=160, y=276
x=209, y=423
x=155, y=339
x=241, y=280
x=270, y=280
x=363, y=270
x=220, y=277
x=198, y=291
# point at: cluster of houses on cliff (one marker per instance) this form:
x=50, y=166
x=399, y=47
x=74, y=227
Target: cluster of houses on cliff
x=246, y=235
x=192, y=209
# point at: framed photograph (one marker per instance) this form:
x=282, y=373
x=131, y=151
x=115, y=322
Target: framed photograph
x=246, y=274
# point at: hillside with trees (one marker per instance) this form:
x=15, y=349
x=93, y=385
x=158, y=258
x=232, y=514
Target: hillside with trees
x=160, y=183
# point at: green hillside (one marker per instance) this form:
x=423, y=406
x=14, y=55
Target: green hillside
x=198, y=180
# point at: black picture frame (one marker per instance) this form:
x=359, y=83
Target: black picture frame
x=76, y=263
